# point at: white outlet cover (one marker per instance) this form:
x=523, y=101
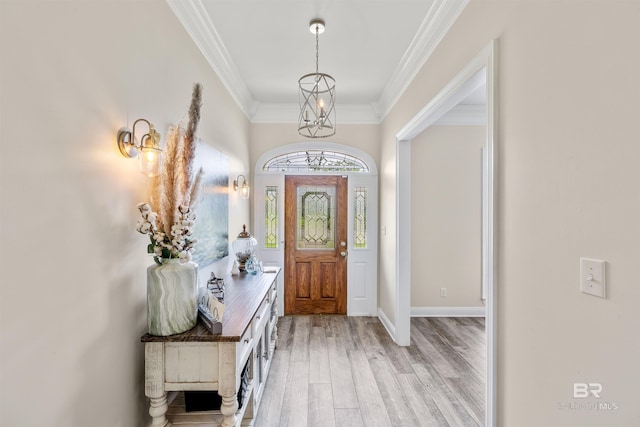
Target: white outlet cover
x=593, y=277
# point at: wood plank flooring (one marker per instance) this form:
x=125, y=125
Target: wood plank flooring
x=346, y=371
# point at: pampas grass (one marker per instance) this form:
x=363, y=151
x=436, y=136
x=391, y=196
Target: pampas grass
x=188, y=153
x=177, y=185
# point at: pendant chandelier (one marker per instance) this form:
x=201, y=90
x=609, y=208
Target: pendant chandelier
x=317, y=97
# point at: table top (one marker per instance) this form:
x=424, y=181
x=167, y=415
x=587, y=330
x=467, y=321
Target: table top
x=242, y=296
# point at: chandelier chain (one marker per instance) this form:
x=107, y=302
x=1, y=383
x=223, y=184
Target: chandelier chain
x=317, y=50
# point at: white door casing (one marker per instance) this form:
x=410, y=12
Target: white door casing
x=484, y=64
x=362, y=263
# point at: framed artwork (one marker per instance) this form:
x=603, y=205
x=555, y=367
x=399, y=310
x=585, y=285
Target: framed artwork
x=211, y=226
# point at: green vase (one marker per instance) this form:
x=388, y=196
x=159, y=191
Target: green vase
x=172, y=297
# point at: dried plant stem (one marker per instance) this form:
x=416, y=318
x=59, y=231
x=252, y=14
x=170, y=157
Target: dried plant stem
x=168, y=200
x=188, y=146
x=156, y=195
x=177, y=184
x=194, y=196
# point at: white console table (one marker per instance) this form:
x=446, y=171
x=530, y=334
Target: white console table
x=198, y=360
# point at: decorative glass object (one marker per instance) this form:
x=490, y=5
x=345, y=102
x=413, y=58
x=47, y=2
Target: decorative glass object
x=250, y=265
x=254, y=265
x=244, y=247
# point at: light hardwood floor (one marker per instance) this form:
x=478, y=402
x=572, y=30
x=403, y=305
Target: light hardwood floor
x=346, y=371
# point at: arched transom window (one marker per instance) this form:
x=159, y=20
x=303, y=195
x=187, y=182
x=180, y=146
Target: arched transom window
x=315, y=161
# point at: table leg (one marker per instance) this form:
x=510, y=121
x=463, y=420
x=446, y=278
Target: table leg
x=228, y=408
x=154, y=383
x=158, y=410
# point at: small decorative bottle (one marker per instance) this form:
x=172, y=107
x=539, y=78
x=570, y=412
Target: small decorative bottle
x=235, y=270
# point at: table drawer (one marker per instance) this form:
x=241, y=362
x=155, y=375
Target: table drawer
x=191, y=362
x=262, y=315
x=244, y=346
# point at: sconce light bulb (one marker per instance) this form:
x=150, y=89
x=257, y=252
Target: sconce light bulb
x=244, y=187
x=245, y=190
x=150, y=161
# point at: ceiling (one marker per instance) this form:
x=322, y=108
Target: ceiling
x=260, y=48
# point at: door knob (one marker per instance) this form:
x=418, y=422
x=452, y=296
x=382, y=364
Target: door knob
x=343, y=253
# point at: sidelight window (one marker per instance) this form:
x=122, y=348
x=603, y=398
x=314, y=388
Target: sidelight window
x=360, y=218
x=271, y=217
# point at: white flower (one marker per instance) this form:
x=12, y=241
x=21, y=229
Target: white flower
x=176, y=240
x=185, y=256
x=151, y=217
x=143, y=227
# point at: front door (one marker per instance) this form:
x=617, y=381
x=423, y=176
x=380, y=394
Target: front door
x=315, y=245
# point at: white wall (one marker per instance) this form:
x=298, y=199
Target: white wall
x=568, y=187
x=73, y=268
x=446, y=214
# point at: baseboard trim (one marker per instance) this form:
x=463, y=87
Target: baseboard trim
x=356, y=314
x=447, y=312
x=391, y=330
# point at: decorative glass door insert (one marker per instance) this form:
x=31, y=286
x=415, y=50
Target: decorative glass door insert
x=315, y=219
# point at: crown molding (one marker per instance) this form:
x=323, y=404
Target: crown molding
x=194, y=18
x=439, y=19
x=288, y=113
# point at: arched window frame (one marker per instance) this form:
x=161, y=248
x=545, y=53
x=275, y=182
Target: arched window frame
x=316, y=160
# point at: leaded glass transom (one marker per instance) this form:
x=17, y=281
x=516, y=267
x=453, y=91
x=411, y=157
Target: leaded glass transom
x=360, y=218
x=271, y=217
x=316, y=161
x=316, y=217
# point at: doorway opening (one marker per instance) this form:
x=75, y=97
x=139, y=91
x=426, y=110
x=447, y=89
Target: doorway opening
x=481, y=70
x=319, y=160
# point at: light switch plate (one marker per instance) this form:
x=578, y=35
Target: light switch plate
x=593, y=277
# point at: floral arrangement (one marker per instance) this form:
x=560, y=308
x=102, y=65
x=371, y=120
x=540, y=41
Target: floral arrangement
x=168, y=219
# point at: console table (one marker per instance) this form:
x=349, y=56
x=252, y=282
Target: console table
x=199, y=360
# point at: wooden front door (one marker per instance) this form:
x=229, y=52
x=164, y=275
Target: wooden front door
x=315, y=245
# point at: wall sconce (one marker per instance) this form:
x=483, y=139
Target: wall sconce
x=244, y=188
x=148, y=151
